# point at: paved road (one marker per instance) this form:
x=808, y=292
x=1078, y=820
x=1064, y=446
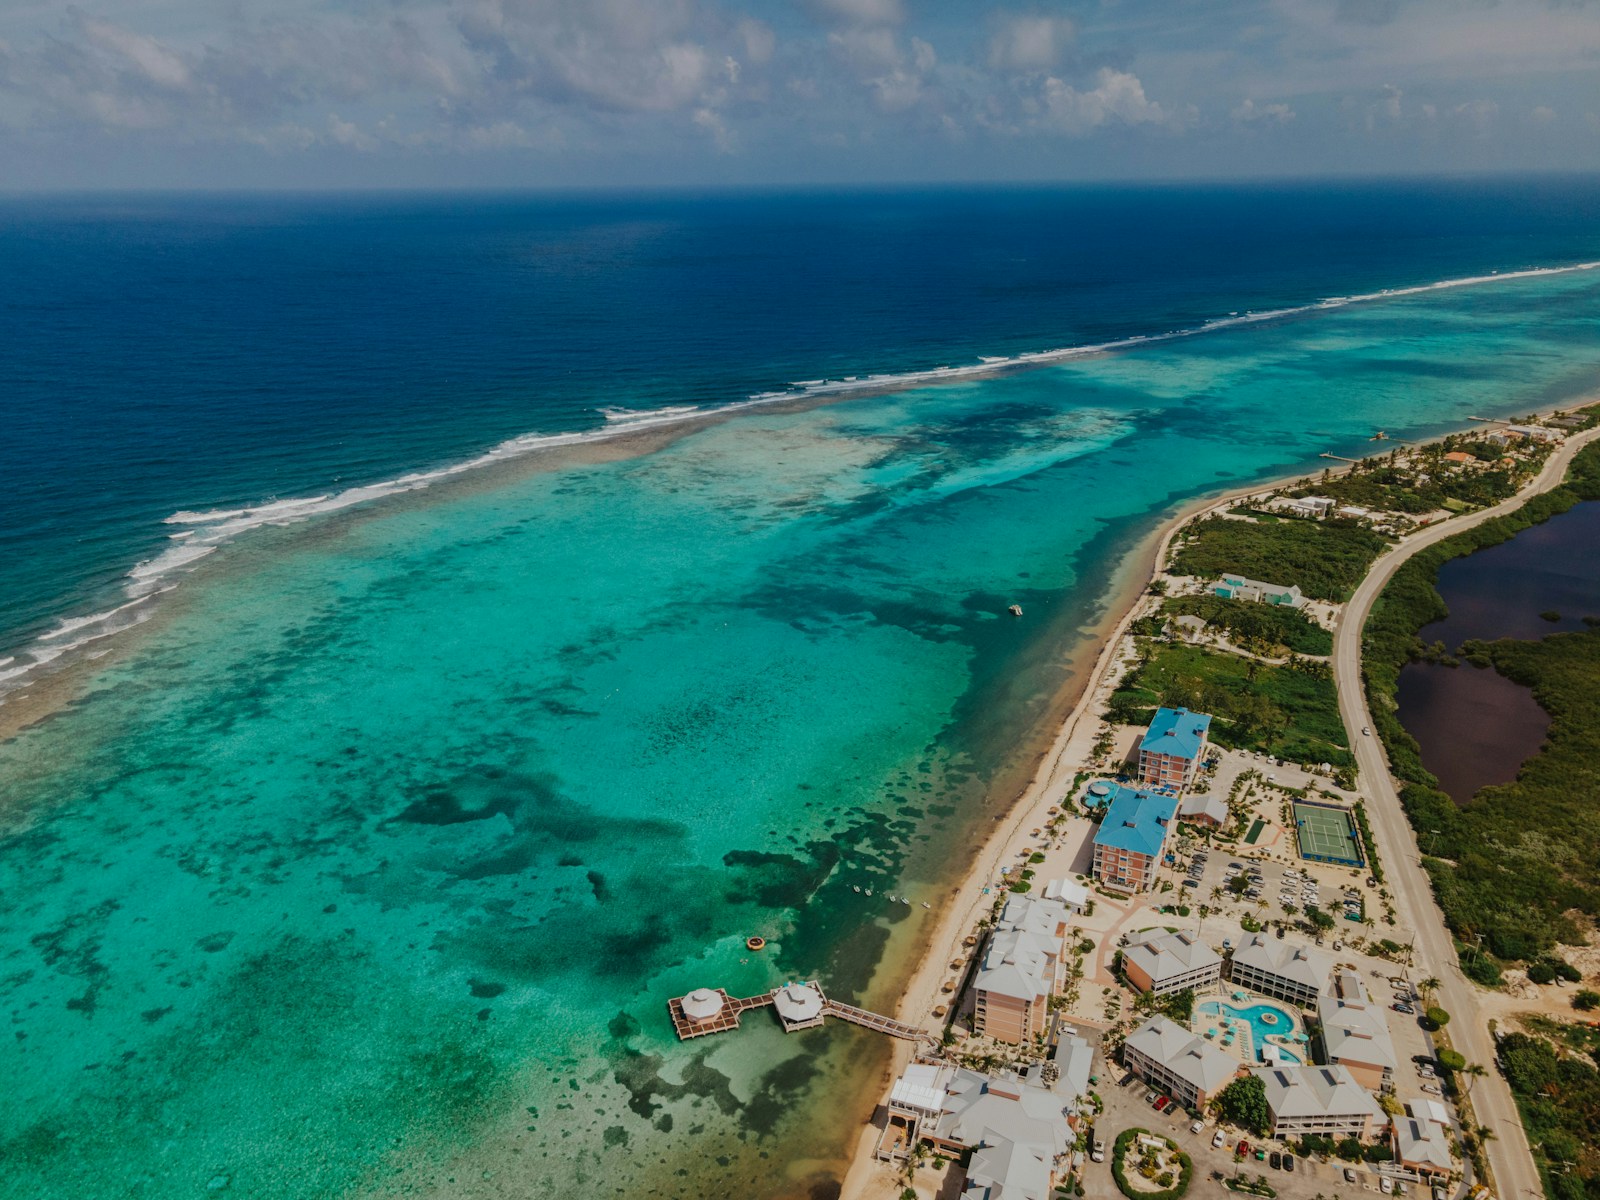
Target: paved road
x=1509, y=1157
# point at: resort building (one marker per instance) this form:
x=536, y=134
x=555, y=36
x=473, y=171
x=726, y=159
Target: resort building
x=1534, y=433
x=1282, y=970
x=1237, y=587
x=1018, y=1129
x=1457, y=456
x=1204, y=810
x=1324, y=1100
x=1131, y=839
x=1072, y=896
x=1188, y=1068
x=1011, y=994
x=1309, y=506
x=1172, y=747
x=1355, y=1031
x=1159, y=962
x=1422, y=1146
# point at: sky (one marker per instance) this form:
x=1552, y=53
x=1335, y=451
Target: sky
x=577, y=93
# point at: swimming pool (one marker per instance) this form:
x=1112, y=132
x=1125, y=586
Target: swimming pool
x=1261, y=1021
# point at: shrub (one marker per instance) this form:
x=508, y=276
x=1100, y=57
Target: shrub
x=1586, y=1000
x=1542, y=972
x=1452, y=1060
x=1436, y=1018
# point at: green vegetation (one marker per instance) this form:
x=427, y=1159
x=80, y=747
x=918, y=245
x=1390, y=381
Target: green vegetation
x=1510, y=865
x=1559, y=1096
x=1435, y=1018
x=1244, y=1102
x=1386, y=484
x=1267, y=629
x=1146, y=1166
x=1325, y=558
x=1289, y=711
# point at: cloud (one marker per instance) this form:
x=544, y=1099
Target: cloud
x=1117, y=97
x=1028, y=42
x=863, y=12
x=153, y=61
x=1250, y=113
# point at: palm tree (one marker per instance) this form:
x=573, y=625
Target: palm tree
x=1428, y=986
x=1473, y=1072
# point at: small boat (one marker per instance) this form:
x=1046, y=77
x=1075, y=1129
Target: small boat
x=904, y=901
x=925, y=904
x=1015, y=610
x=857, y=888
x=756, y=942
x=869, y=891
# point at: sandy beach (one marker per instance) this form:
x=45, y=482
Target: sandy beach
x=867, y=1178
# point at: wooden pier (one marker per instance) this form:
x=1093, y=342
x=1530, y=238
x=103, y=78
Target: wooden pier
x=711, y=1010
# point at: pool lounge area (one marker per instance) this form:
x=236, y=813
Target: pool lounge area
x=1251, y=1030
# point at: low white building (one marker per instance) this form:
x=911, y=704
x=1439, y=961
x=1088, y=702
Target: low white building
x=1188, y=1068
x=1074, y=896
x=1283, y=970
x=1159, y=962
x=1355, y=1031
x=1423, y=1147
x=1325, y=1100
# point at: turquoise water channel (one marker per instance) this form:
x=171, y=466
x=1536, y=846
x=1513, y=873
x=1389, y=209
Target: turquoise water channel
x=370, y=867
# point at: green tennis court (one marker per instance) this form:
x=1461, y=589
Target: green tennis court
x=1327, y=834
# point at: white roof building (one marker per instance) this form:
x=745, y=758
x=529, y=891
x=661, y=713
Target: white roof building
x=1428, y=1109
x=1074, y=896
x=1160, y=962
x=1018, y=964
x=1317, y=1100
x=1044, y=917
x=1422, y=1146
x=1207, y=809
x=1164, y=1053
x=1282, y=969
x=1355, y=1030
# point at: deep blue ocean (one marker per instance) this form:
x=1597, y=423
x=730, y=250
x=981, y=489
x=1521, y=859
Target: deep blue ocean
x=368, y=868
x=188, y=353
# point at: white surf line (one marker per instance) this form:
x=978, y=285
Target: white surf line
x=206, y=532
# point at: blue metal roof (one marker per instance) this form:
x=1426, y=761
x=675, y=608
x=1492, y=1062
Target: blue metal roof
x=1176, y=731
x=1137, y=820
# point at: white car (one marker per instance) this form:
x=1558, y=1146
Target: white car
x=1197, y=1127
x=1217, y=1139
x=1099, y=1151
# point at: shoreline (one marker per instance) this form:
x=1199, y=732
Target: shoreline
x=1138, y=569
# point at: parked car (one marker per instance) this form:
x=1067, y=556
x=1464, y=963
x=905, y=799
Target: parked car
x=1386, y=1186
x=1162, y=1102
x=1404, y=1008
x=1150, y=1097
x=1244, y=1148
x=1276, y=1160
x=1349, y=1175
x=1217, y=1139
x=1288, y=1162
x=1099, y=1151
x=1197, y=1127
x=1432, y=1089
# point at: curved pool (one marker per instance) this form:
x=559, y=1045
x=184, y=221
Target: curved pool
x=1260, y=1020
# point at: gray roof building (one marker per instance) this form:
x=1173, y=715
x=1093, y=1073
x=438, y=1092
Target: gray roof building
x=1355, y=1030
x=1160, y=962
x=1286, y=970
x=1318, y=1100
x=1191, y=1069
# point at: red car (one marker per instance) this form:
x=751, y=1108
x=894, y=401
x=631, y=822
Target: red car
x=1162, y=1102
x=1244, y=1148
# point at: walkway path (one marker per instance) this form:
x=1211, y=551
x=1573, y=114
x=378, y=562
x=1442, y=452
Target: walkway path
x=1509, y=1156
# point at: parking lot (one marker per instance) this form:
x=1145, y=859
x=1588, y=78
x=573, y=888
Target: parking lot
x=1127, y=1108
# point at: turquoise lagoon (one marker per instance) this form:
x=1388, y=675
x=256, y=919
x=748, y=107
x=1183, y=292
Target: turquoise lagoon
x=368, y=869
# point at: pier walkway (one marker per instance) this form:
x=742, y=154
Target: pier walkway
x=798, y=1006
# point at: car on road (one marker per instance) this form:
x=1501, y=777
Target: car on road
x=1217, y=1139
x=1366, y=731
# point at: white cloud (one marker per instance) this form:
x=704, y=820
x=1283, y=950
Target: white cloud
x=1544, y=114
x=1117, y=97
x=1250, y=112
x=1028, y=42
x=155, y=62
x=864, y=12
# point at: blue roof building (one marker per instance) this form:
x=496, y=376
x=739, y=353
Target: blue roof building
x=1177, y=731
x=1172, y=748
x=1131, y=837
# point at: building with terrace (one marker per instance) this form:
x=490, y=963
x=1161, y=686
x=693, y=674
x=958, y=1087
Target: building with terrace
x=1172, y=747
x=1355, y=1031
x=1188, y=1068
x=1281, y=969
x=1159, y=962
x=1131, y=838
x=1324, y=1100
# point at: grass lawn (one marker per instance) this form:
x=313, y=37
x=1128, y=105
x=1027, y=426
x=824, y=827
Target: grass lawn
x=1288, y=713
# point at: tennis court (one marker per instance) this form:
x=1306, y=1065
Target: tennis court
x=1327, y=834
